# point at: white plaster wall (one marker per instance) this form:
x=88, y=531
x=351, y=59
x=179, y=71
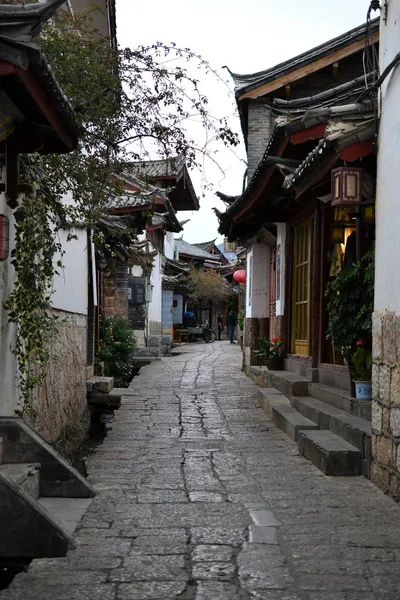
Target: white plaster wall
x=169, y=245
x=281, y=240
x=387, y=276
x=70, y=288
x=257, y=289
x=155, y=306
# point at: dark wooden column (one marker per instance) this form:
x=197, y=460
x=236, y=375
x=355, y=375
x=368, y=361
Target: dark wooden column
x=316, y=287
x=288, y=288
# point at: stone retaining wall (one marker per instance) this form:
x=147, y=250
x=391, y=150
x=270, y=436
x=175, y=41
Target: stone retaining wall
x=61, y=413
x=386, y=402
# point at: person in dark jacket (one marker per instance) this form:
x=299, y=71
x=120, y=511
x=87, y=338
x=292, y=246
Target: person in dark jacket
x=231, y=325
x=220, y=326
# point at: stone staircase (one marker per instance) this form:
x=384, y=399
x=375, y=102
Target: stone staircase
x=42, y=497
x=332, y=429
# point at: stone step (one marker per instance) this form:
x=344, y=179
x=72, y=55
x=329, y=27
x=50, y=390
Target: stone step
x=291, y=421
x=341, y=399
x=290, y=384
x=98, y=383
x=352, y=429
x=27, y=529
x=330, y=453
x=108, y=400
x=67, y=511
x=25, y=475
x=270, y=397
x=57, y=477
x=331, y=395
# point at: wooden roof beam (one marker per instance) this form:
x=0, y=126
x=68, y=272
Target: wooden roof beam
x=317, y=65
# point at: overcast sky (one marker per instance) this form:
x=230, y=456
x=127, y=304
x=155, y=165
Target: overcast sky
x=247, y=36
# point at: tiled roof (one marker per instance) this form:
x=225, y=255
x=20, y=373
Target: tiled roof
x=206, y=245
x=339, y=137
x=19, y=25
x=250, y=81
x=168, y=167
x=192, y=250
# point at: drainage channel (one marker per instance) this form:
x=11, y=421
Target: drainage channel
x=10, y=567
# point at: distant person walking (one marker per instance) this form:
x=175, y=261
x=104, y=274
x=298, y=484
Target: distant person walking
x=220, y=326
x=231, y=325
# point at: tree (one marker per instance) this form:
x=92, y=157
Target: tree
x=207, y=285
x=128, y=104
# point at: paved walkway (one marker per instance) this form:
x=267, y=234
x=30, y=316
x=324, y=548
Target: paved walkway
x=200, y=497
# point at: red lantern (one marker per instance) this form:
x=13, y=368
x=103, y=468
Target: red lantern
x=240, y=276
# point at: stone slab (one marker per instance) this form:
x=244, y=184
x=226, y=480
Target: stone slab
x=68, y=511
x=330, y=395
x=330, y=453
x=98, y=383
x=352, y=429
x=26, y=476
x=270, y=397
x=57, y=476
x=291, y=421
x=112, y=401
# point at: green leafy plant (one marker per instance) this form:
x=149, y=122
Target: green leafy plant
x=270, y=348
x=127, y=103
x=117, y=348
x=350, y=305
x=206, y=284
x=240, y=319
x=361, y=363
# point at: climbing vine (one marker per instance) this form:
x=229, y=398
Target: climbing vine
x=29, y=302
x=129, y=105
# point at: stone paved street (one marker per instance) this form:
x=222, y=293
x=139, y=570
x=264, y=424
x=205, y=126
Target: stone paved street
x=200, y=497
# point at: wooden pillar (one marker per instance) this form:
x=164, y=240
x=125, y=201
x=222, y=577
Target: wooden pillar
x=316, y=287
x=288, y=288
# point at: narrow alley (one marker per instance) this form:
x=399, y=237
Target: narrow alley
x=201, y=497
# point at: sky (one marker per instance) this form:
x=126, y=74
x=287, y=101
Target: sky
x=247, y=36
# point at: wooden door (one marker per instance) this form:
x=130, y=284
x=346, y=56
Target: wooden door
x=272, y=291
x=302, y=244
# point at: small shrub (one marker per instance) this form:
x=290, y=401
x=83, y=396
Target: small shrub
x=117, y=348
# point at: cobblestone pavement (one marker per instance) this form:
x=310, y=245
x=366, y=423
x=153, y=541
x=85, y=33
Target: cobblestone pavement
x=200, y=497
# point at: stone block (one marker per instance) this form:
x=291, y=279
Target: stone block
x=291, y=421
x=389, y=338
x=377, y=342
x=329, y=453
x=25, y=514
x=396, y=451
x=394, y=486
x=154, y=341
x=100, y=384
x=395, y=386
x=380, y=476
x=1, y=450
x=395, y=421
x=384, y=384
x=386, y=420
x=376, y=422
x=383, y=450
x=375, y=380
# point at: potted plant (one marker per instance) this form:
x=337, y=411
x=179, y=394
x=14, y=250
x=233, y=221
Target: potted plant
x=350, y=304
x=271, y=353
x=361, y=370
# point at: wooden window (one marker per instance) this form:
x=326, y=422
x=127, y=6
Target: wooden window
x=302, y=244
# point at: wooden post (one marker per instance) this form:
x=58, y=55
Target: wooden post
x=288, y=288
x=316, y=287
